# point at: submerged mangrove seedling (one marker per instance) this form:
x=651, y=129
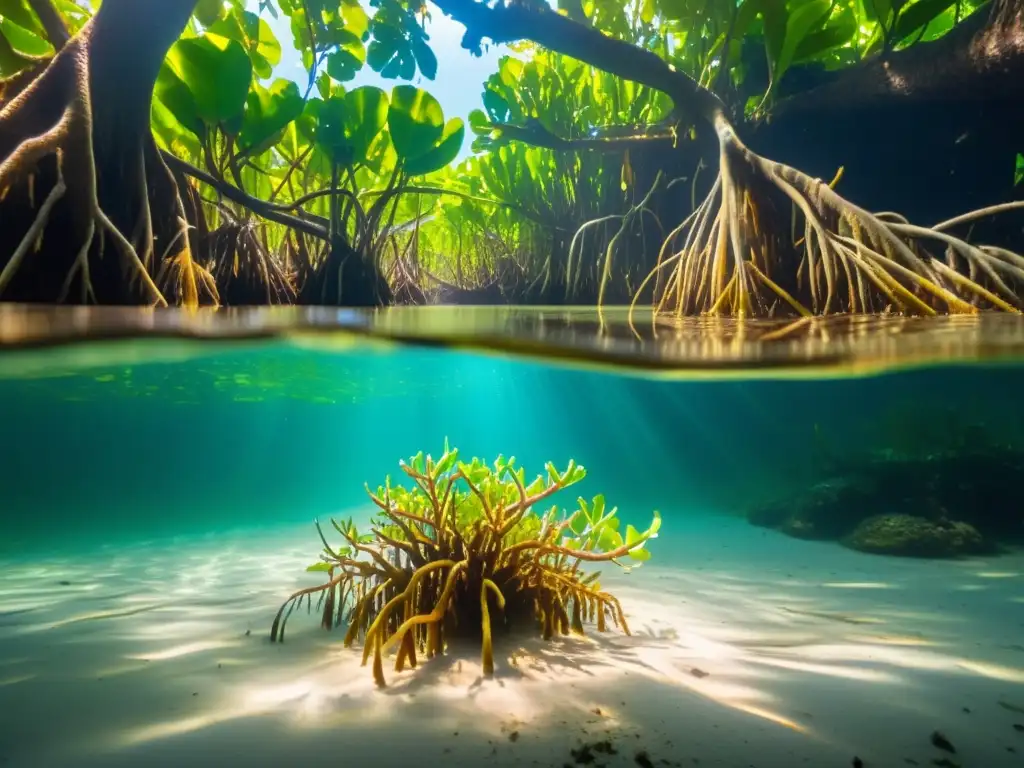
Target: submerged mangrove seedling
x=464, y=552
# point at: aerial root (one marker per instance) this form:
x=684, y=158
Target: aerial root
x=33, y=238
x=180, y=274
x=735, y=260
x=70, y=142
x=243, y=266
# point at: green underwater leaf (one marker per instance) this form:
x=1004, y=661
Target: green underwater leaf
x=640, y=554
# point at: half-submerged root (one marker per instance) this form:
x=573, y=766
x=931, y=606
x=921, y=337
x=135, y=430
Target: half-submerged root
x=464, y=553
x=58, y=242
x=731, y=256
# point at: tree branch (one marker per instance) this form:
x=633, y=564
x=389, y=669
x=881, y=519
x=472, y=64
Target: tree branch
x=536, y=135
x=980, y=59
x=511, y=23
x=268, y=211
x=54, y=26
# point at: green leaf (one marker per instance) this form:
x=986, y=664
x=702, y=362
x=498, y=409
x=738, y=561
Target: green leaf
x=21, y=13
x=877, y=10
x=268, y=111
x=415, y=120
x=746, y=14
x=479, y=123
x=610, y=539
x=799, y=25
x=356, y=20
x=170, y=134
x=640, y=554
x=173, y=95
x=366, y=114
x=446, y=150
x=24, y=42
x=834, y=35
x=320, y=567
x=255, y=35
x=390, y=53
x=10, y=61
x=1018, y=173
x=344, y=63
x=342, y=66
x=447, y=461
x=497, y=107
x=775, y=18
x=425, y=58
x=217, y=72
x=578, y=522
x=419, y=460
x=209, y=11
x=913, y=17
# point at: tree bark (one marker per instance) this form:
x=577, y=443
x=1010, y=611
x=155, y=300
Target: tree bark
x=127, y=46
x=91, y=107
x=508, y=23
x=980, y=60
x=930, y=131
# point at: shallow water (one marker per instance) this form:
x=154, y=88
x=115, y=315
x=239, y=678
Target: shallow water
x=158, y=496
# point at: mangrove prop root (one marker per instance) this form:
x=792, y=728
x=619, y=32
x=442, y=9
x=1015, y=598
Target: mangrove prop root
x=425, y=575
x=42, y=145
x=243, y=267
x=729, y=257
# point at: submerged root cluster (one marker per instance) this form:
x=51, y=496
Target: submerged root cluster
x=463, y=554
x=730, y=257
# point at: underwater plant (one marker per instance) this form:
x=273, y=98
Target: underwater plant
x=464, y=552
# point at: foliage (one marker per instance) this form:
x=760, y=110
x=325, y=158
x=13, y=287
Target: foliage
x=218, y=105
x=375, y=168
x=555, y=191
x=464, y=549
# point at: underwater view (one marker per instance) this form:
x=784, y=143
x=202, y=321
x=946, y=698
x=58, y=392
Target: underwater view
x=267, y=551
x=535, y=383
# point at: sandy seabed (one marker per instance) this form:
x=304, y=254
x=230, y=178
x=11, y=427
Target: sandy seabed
x=748, y=649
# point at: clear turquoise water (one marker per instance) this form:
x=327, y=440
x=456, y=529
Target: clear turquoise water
x=271, y=433
x=155, y=514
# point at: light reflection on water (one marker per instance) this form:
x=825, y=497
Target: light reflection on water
x=663, y=345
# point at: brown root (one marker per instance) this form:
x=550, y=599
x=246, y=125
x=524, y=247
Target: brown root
x=58, y=243
x=244, y=268
x=731, y=257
